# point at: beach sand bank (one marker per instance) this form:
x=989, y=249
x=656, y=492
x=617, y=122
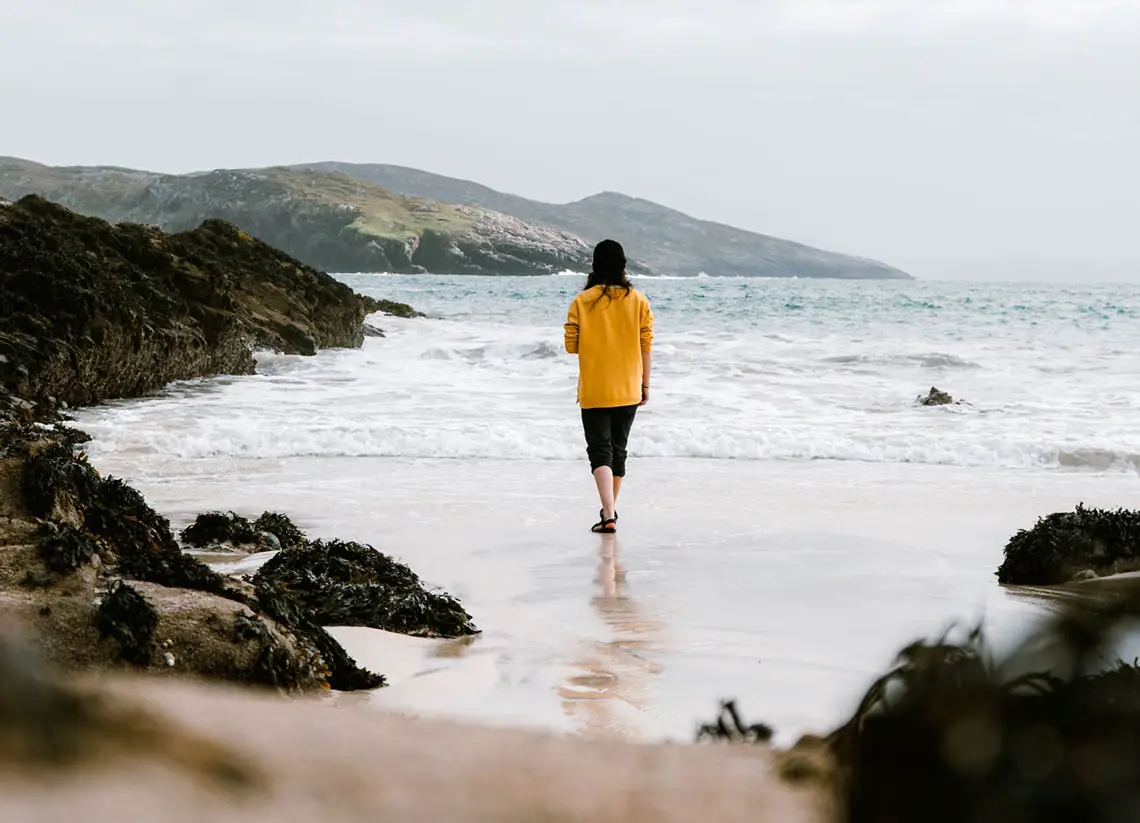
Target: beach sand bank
x=303, y=761
x=789, y=586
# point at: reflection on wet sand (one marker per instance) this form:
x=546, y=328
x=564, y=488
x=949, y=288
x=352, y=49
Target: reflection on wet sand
x=616, y=673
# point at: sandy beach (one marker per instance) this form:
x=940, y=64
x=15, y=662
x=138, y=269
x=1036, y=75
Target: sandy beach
x=789, y=586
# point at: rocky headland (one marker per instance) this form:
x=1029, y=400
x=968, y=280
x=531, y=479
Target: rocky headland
x=346, y=217
x=331, y=221
x=91, y=311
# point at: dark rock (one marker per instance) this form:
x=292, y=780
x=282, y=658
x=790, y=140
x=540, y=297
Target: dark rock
x=349, y=584
x=390, y=307
x=281, y=527
x=221, y=531
x=92, y=311
x=57, y=483
x=212, y=529
x=372, y=331
x=143, y=542
x=936, y=397
x=275, y=665
x=126, y=617
x=1064, y=544
x=344, y=673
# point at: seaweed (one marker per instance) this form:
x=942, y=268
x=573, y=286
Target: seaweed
x=729, y=727
x=350, y=584
x=143, y=542
x=281, y=527
x=344, y=673
x=1064, y=543
x=67, y=549
x=275, y=665
x=55, y=472
x=271, y=530
x=213, y=528
x=128, y=618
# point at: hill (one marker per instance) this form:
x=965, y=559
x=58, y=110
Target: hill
x=666, y=240
x=328, y=220
x=349, y=218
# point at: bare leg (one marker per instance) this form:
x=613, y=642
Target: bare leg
x=604, y=479
x=617, y=489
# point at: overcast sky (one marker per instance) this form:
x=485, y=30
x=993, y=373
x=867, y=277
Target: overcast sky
x=944, y=137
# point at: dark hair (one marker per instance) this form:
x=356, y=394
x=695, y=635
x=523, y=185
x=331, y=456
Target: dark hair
x=608, y=270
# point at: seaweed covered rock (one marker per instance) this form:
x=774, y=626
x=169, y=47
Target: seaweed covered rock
x=390, y=307
x=92, y=311
x=96, y=573
x=229, y=531
x=61, y=486
x=126, y=617
x=1063, y=545
x=935, y=397
x=350, y=584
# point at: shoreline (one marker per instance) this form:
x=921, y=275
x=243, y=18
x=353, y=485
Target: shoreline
x=780, y=584
x=904, y=549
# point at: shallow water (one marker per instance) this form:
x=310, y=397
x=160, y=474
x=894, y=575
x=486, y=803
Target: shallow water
x=846, y=522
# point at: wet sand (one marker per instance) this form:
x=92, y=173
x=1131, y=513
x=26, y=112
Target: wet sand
x=789, y=586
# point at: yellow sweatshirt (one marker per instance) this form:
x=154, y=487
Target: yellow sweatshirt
x=609, y=332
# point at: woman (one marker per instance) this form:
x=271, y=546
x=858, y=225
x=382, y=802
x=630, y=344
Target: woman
x=610, y=328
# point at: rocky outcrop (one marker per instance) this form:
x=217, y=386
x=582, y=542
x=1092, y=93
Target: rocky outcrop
x=1066, y=546
x=389, y=307
x=329, y=220
x=935, y=397
x=335, y=583
x=90, y=311
x=87, y=566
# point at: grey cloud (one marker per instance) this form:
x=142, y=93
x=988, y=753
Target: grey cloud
x=916, y=132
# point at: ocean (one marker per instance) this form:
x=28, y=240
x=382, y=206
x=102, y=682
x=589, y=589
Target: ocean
x=793, y=516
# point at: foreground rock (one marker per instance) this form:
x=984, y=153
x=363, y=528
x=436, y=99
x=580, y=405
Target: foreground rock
x=952, y=734
x=181, y=752
x=1082, y=544
x=91, y=311
x=330, y=583
x=88, y=567
x=349, y=584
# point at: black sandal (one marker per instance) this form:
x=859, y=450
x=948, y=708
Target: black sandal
x=602, y=514
x=605, y=526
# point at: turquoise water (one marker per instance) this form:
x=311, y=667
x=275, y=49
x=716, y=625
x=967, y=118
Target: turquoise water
x=743, y=369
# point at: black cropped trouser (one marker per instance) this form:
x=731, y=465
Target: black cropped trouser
x=607, y=433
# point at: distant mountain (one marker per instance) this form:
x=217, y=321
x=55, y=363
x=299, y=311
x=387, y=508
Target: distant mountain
x=329, y=220
x=346, y=218
x=667, y=241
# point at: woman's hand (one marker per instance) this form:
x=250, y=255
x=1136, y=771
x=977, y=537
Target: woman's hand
x=644, y=395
